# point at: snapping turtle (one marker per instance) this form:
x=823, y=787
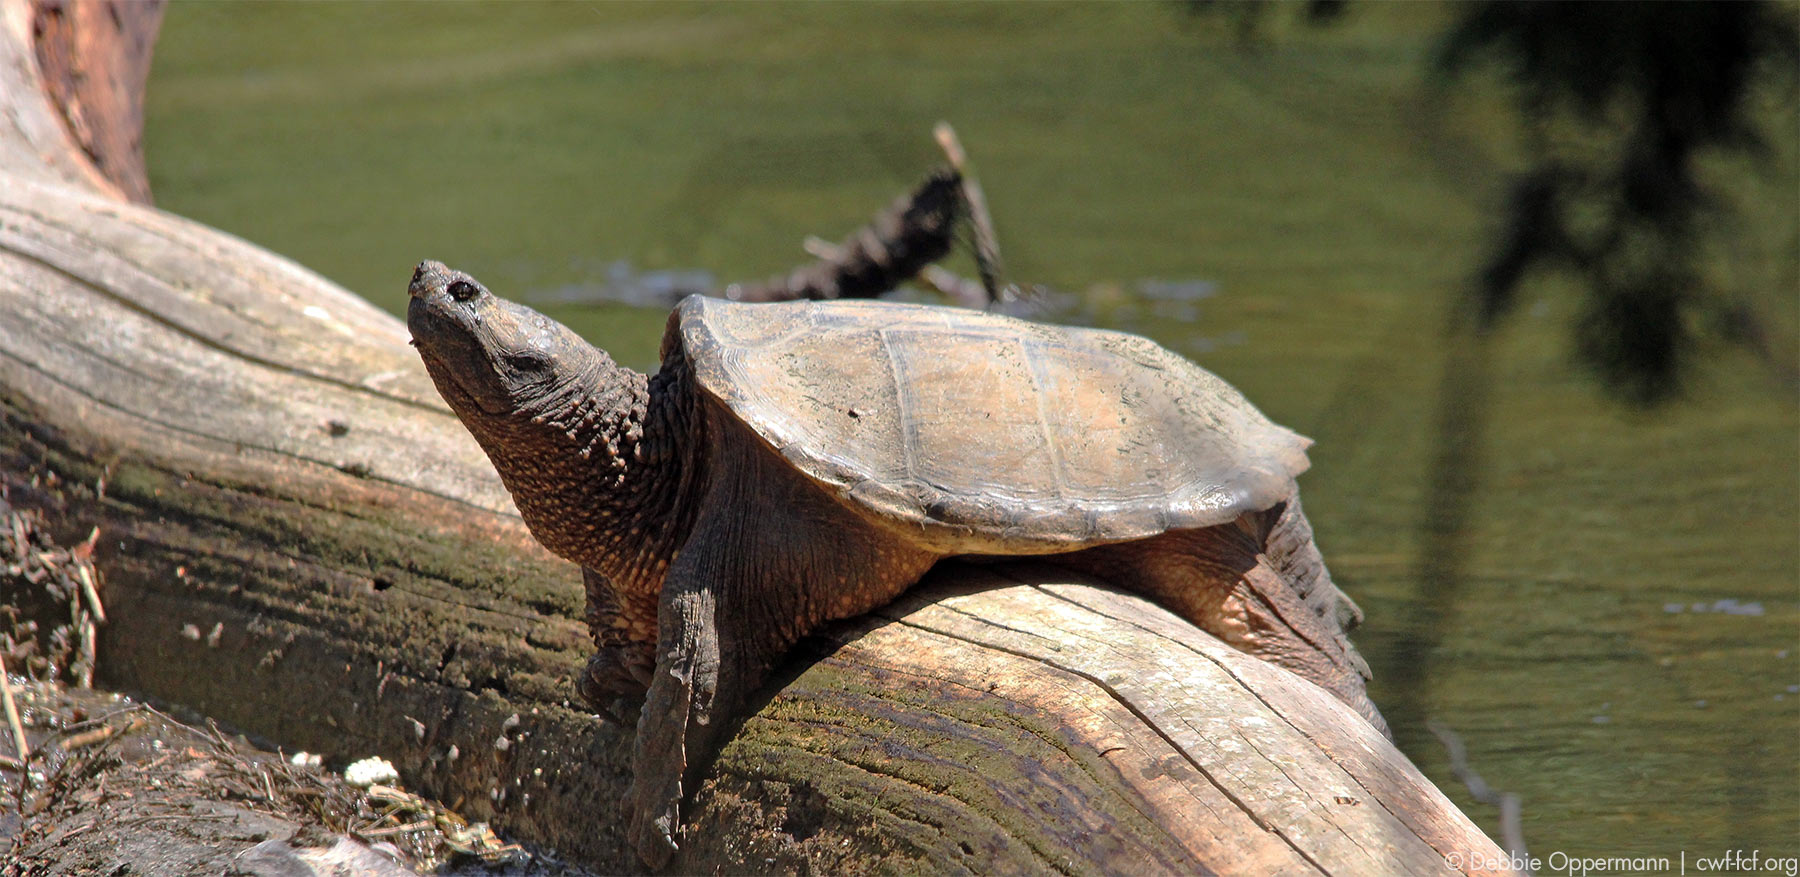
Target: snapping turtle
x=799, y=462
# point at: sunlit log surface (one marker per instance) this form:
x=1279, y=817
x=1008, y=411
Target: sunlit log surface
x=300, y=540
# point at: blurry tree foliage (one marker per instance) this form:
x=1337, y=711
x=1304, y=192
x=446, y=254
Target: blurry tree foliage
x=1247, y=16
x=1618, y=101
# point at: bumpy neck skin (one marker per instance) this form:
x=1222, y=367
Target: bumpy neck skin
x=600, y=468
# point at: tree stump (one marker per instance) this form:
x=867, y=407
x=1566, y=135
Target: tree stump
x=298, y=538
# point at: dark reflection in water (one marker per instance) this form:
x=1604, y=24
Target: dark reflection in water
x=1453, y=479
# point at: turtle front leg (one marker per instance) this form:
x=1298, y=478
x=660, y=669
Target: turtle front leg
x=618, y=671
x=618, y=674
x=679, y=713
x=616, y=678
x=734, y=601
x=769, y=560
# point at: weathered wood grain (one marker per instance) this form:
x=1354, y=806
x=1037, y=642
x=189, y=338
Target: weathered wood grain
x=299, y=539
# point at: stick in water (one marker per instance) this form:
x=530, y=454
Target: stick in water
x=1512, y=833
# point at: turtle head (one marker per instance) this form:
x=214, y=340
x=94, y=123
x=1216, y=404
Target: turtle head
x=491, y=358
x=562, y=424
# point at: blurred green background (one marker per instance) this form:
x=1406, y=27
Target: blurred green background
x=1622, y=645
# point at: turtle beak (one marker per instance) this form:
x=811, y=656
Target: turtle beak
x=433, y=279
x=426, y=277
x=444, y=327
x=429, y=307
x=440, y=293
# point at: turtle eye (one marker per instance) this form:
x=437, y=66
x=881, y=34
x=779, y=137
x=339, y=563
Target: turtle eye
x=527, y=362
x=463, y=290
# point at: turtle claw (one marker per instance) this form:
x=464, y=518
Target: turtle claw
x=616, y=672
x=614, y=710
x=653, y=802
x=652, y=824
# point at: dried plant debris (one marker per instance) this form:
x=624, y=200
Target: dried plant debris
x=50, y=607
x=111, y=782
x=95, y=783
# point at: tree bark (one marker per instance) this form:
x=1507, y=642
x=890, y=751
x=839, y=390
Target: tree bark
x=298, y=538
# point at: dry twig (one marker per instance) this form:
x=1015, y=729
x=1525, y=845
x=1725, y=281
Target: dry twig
x=987, y=242
x=913, y=232
x=84, y=569
x=12, y=715
x=86, y=738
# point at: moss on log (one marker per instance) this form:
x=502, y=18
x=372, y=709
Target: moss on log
x=298, y=538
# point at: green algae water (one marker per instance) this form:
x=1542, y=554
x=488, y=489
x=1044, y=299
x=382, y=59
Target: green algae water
x=1603, y=603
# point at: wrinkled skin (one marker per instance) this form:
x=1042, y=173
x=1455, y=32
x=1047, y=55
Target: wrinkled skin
x=707, y=555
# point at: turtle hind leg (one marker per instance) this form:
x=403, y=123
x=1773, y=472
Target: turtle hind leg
x=1291, y=547
x=1243, y=583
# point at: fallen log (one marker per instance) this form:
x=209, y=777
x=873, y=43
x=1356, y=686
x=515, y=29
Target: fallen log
x=298, y=538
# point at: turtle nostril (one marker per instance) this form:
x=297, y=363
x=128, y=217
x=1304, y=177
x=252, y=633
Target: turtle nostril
x=463, y=290
x=419, y=272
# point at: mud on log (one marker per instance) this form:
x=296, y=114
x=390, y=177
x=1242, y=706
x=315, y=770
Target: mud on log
x=299, y=539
